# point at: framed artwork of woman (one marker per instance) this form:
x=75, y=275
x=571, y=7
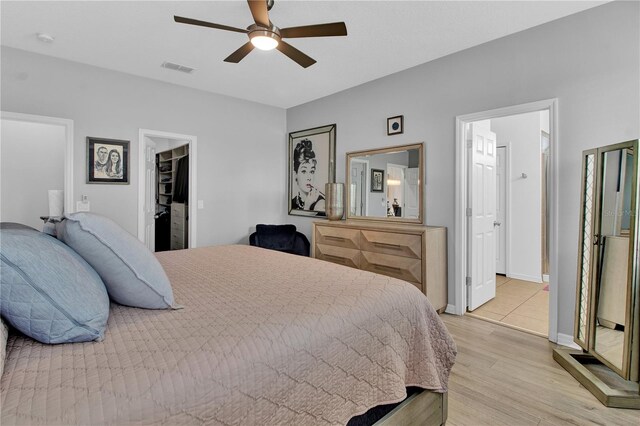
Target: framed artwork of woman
x=312, y=164
x=107, y=161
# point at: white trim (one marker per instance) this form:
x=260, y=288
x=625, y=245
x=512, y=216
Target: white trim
x=450, y=309
x=193, y=179
x=68, y=158
x=460, y=237
x=525, y=277
x=545, y=278
x=567, y=340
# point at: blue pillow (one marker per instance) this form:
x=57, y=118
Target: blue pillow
x=47, y=291
x=132, y=274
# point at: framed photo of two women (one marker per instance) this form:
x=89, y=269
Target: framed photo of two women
x=312, y=164
x=107, y=161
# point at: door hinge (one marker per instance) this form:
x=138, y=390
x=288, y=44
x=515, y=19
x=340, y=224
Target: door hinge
x=468, y=211
x=468, y=281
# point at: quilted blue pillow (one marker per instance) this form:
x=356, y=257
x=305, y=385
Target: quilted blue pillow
x=132, y=274
x=47, y=291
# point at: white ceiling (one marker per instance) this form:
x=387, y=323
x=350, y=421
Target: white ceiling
x=384, y=37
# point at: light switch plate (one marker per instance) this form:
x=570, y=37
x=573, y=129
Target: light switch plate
x=200, y=204
x=83, y=206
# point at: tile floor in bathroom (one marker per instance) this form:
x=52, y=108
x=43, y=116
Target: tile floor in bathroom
x=518, y=303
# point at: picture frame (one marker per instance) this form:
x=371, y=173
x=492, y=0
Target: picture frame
x=107, y=161
x=312, y=164
x=395, y=125
x=377, y=180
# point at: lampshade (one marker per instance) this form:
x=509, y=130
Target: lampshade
x=56, y=202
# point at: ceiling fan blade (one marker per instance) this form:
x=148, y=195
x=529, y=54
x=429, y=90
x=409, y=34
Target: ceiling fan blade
x=296, y=55
x=259, y=12
x=320, y=30
x=190, y=21
x=239, y=54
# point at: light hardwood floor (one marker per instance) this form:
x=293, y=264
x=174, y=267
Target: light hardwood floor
x=520, y=304
x=507, y=377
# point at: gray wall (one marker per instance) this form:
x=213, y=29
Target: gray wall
x=241, y=145
x=589, y=61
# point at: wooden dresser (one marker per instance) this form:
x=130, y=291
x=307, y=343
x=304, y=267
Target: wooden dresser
x=414, y=253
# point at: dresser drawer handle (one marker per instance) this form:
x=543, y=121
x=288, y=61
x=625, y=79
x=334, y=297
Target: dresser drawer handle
x=335, y=258
x=387, y=268
x=386, y=245
x=331, y=237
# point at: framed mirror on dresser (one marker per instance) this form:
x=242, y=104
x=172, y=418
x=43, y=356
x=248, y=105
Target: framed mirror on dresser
x=384, y=231
x=607, y=313
x=386, y=184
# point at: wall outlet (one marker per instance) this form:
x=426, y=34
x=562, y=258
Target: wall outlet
x=83, y=206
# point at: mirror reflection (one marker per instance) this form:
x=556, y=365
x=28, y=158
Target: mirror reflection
x=614, y=255
x=385, y=184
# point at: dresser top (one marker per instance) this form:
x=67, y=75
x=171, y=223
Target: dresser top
x=377, y=225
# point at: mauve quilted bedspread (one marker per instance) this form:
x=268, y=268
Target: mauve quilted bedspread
x=264, y=338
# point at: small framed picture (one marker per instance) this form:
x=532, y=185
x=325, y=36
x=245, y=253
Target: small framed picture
x=107, y=161
x=377, y=180
x=395, y=125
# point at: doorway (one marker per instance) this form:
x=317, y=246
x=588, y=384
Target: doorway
x=492, y=188
x=395, y=190
x=34, y=145
x=161, y=154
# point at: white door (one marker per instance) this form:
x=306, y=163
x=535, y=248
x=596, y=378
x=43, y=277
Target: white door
x=358, y=188
x=411, y=191
x=501, y=209
x=150, y=194
x=482, y=199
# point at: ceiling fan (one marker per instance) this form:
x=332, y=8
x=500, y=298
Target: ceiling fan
x=266, y=36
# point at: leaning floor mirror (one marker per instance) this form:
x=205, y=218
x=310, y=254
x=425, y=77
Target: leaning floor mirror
x=386, y=184
x=607, y=317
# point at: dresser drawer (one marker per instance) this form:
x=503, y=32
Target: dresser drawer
x=343, y=256
x=177, y=224
x=339, y=237
x=177, y=210
x=396, y=244
x=404, y=268
x=177, y=235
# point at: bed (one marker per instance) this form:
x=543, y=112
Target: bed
x=264, y=338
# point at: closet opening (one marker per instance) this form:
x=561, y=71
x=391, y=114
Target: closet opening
x=167, y=203
x=172, y=198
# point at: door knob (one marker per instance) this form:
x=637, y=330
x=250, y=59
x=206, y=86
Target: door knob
x=496, y=223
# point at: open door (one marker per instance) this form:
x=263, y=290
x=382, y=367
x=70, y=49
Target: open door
x=411, y=195
x=150, y=195
x=359, y=171
x=482, y=216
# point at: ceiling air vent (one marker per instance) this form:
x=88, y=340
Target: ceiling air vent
x=177, y=67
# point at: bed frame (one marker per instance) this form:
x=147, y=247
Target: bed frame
x=425, y=408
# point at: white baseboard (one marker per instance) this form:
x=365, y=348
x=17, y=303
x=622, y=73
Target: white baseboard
x=545, y=278
x=567, y=340
x=451, y=309
x=524, y=277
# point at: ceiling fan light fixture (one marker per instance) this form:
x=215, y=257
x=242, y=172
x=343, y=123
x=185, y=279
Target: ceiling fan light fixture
x=264, y=39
